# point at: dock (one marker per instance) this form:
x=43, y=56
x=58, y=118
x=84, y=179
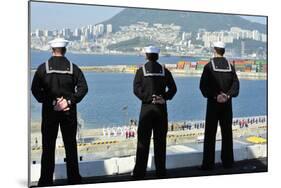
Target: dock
x=113, y=157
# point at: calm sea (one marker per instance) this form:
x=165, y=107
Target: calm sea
x=110, y=100
x=91, y=59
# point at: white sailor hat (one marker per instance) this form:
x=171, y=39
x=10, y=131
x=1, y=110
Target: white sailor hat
x=58, y=43
x=219, y=44
x=151, y=49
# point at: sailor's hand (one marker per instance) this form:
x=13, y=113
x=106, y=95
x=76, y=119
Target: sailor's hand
x=66, y=109
x=222, y=98
x=159, y=100
x=153, y=99
x=61, y=105
x=56, y=106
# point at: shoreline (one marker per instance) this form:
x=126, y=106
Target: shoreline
x=207, y=56
x=131, y=69
x=125, y=53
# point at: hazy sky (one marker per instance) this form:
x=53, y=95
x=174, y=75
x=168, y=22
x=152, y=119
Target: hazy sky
x=57, y=16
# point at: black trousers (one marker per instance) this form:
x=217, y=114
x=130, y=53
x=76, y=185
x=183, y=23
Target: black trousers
x=51, y=120
x=221, y=113
x=152, y=118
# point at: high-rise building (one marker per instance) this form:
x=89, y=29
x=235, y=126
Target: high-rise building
x=109, y=28
x=183, y=37
x=189, y=44
x=83, y=38
x=263, y=37
x=47, y=33
x=90, y=29
x=100, y=29
x=242, y=48
x=87, y=34
x=95, y=31
x=249, y=34
x=39, y=33
x=256, y=35
x=66, y=32
x=77, y=32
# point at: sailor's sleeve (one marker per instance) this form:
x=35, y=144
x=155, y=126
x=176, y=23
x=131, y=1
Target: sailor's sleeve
x=204, y=83
x=234, y=89
x=138, y=89
x=171, y=85
x=37, y=88
x=81, y=86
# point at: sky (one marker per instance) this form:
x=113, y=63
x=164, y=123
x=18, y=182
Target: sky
x=57, y=16
x=53, y=16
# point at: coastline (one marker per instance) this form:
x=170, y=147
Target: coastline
x=131, y=69
x=126, y=53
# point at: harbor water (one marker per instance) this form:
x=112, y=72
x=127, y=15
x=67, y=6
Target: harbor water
x=111, y=102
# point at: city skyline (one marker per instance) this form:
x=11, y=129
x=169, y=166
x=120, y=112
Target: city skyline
x=84, y=15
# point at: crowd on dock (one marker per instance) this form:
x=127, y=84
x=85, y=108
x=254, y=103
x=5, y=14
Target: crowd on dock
x=246, y=122
x=130, y=131
x=191, y=125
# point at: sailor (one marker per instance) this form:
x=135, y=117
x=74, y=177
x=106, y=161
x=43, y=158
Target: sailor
x=59, y=85
x=219, y=83
x=150, y=84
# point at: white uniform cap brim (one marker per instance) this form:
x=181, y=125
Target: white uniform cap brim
x=151, y=49
x=58, y=43
x=219, y=44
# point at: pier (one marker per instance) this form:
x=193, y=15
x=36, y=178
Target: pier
x=111, y=155
x=102, y=143
x=131, y=69
x=175, y=71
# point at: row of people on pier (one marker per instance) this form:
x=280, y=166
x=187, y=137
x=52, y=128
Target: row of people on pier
x=242, y=122
x=126, y=131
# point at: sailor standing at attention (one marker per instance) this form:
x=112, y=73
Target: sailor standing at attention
x=219, y=83
x=59, y=85
x=150, y=84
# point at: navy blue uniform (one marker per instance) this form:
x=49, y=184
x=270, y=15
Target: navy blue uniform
x=54, y=79
x=218, y=76
x=152, y=79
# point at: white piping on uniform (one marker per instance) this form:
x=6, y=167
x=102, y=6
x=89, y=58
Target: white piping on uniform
x=221, y=70
x=153, y=74
x=58, y=71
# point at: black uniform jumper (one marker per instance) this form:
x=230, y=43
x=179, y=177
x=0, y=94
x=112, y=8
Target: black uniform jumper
x=218, y=76
x=54, y=79
x=152, y=79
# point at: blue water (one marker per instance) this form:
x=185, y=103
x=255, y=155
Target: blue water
x=91, y=59
x=109, y=93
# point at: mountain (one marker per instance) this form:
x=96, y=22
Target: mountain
x=189, y=21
